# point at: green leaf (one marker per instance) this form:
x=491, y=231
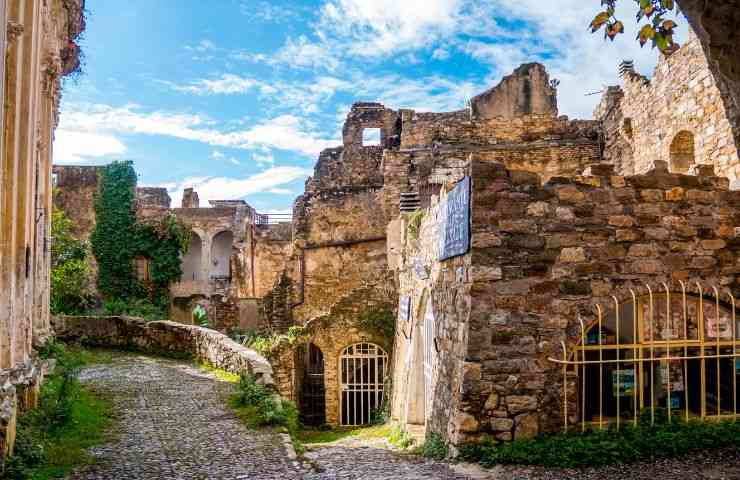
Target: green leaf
x=599, y=20
x=646, y=33
x=667, y=4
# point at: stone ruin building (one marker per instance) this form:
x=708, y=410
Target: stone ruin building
x=37, y=47
x=677, y=117
x=233, y=259
x=487, y=237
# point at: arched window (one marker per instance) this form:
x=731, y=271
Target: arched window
x=221, y=254
x=682, y=152
x=363, y=370
x=670, y=351
x=191, y=261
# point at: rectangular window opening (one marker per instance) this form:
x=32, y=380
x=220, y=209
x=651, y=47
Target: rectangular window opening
x=371, y=137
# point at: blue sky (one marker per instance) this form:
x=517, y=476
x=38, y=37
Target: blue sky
x=237, y=97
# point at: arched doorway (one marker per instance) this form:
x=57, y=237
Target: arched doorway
x=191, y=261
x=666, y=352
x=363, y=368
x=682, y=152
x=313, y=393
x=221, y=254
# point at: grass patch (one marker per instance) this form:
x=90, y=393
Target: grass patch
x=53, y=439
x=399, y=438
x=607, y=447
x=260, y=406
x=312, y=436
x=222, y=375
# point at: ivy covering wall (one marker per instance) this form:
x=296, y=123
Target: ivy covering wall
x=118, y=239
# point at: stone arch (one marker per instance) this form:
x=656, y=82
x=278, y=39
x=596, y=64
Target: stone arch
x=192, y=260
x=221, y=247
x=682, y=152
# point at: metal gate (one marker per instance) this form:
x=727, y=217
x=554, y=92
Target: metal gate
x=429, y=355
x=363, y=369
x=313, y=393
x=677, y=351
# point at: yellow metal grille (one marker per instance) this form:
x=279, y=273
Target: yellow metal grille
x=676, y=351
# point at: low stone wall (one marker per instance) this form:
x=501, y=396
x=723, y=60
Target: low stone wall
x=203, y=344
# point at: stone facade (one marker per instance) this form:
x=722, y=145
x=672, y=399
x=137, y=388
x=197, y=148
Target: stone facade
x=340, y=244
x=38, y=48
x=677, y=117
x=541, y=257
x=129, y=333
x=233, y=260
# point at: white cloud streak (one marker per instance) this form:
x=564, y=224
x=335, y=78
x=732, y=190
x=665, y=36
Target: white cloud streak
x=286, y=132
x=229, y=188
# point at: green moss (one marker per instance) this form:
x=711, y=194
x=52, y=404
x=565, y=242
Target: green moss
x=378, y=320
x=414, y=224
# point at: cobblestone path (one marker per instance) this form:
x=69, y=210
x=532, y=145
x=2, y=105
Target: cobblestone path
x=173, y=424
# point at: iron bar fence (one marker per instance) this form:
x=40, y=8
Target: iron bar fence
x=676, y=351
x=272, y=218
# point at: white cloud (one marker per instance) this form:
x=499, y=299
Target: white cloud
x=82, y=147
x=378, y=27
x=304, y=53
x=281, y=191
x=440, y=54
x=227, y=84
x=216, y=155
x=229, y=188
x=265, y=159
x=234, y=161
x=202, y=46
x=286, y=132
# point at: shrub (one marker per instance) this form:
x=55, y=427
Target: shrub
x=70, y=272
x=606, y=447
x=398, y=437
x=434, y=447
x=266, y=407
x=134, y=308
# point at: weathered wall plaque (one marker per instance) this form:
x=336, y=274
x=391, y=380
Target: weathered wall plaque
x=454, y=236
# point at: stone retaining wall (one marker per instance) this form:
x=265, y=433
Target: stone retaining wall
x=203, y=344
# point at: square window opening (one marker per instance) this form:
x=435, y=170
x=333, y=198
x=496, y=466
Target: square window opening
x=371, y=137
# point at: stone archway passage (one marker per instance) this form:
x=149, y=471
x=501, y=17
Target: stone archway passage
x=363, y=371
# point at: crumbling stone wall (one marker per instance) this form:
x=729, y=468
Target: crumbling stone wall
x=644, y=119
x=38, y=48
x=272, y=248
x=526, y=91
x=203, y=344
x=76, y=187
x=541, y=257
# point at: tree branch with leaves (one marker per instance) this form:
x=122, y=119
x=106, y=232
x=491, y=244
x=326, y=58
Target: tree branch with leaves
x=659, y=29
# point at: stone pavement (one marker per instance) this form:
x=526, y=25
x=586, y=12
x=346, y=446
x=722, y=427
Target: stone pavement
x=173, y=424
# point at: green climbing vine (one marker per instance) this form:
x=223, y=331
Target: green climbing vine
x=380, y=320
x=118, y=239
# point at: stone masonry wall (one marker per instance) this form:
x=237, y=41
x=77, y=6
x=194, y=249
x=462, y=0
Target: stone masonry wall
x=543, y=255
x=446, y=285
x=682, y=96
x=202, y=344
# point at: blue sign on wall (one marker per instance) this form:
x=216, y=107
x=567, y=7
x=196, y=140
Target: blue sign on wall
x=454, y=232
